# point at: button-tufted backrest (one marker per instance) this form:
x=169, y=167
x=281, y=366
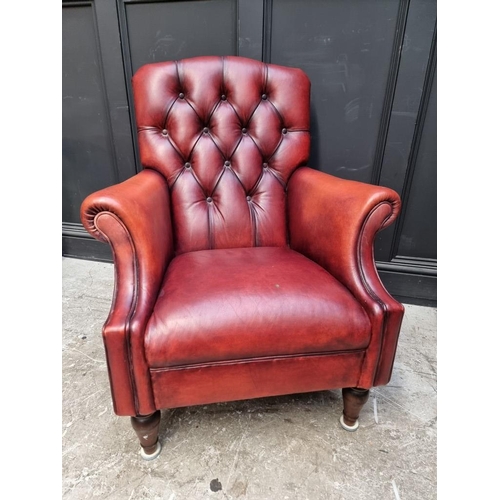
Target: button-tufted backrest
x=227, y=133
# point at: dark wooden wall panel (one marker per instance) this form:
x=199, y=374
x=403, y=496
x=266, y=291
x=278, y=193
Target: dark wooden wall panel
x=345, y=47
x=418, y=237
x=87, y=146
x=162, y=31
x=411, y=81
x=411, y=244
x=250, y=28
x=97, y=148
x=415, y=52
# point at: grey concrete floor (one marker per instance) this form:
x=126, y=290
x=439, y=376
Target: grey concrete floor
x=289, y=447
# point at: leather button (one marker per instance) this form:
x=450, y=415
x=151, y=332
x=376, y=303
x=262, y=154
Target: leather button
x=181, y=95
x=243, y=130
x=284, y=131
x=209, y=200
x=223, y=97
x=187, y=165
x=227, y=163
x=164, y=132
x=205, y=130
x=265, y=165
x=264, y=96
x=249, y=198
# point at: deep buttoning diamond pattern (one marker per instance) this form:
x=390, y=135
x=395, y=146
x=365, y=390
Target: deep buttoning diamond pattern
x=227, y=135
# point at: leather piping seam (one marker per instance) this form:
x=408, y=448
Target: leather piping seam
x=133, y=306
x=362, y=275
x=207, y=364
x=359, y=252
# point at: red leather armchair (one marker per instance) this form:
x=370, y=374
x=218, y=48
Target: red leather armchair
x=240, y=272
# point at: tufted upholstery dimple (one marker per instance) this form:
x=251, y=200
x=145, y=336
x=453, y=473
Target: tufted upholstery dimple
x=226, y=133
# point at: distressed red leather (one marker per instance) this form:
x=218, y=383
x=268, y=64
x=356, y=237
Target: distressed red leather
x=245, y=303
x=334, y=222
x=240, y=272
x=257, y=378
x=226, y=133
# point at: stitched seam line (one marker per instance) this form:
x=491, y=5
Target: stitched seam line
x=133, y=306
x=258, y=359
x=366, y=286
x=361, y=272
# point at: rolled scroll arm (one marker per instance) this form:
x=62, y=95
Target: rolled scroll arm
x=334, y=222
x=134, y=218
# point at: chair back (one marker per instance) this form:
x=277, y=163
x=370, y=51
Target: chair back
x=226, y=133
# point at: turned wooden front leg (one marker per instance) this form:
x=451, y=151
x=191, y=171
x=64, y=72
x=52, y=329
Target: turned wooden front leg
x=354, y=399
x=146, y=428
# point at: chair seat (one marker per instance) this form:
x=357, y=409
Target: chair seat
x=244, y=303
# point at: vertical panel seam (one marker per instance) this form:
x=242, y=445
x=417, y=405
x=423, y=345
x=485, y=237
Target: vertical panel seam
x=390, y=90
x=267, y=31
x=415, y=143
x=129, y=73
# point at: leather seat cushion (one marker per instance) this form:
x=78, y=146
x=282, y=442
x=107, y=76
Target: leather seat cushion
x=243, y=303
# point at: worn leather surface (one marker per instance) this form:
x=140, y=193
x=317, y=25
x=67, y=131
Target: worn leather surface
x=134, y=218
x=233, y=304
x=226, y=133
x=334, y=222
x=233, y=380
x=224, y=210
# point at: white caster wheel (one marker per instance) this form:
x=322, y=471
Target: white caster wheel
x=350, y=428
x=151, y=456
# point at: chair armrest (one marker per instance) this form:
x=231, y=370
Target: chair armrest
x=134, y=218
x=334, y=221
